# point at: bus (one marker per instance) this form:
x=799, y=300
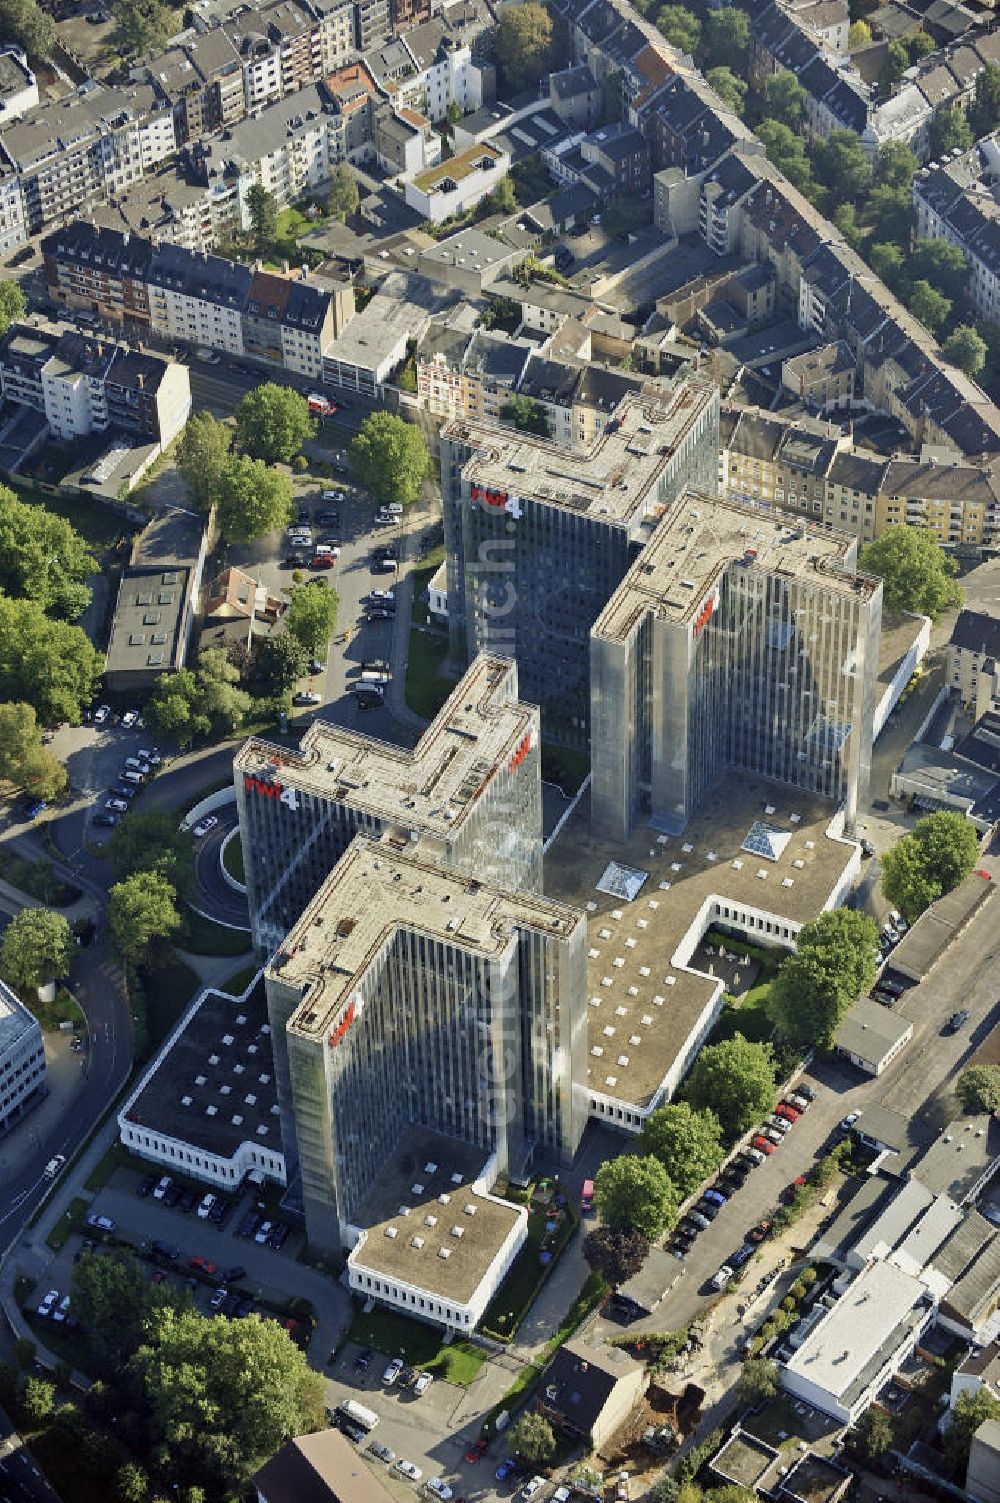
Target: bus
x=366, y=1418
x=587, y=1197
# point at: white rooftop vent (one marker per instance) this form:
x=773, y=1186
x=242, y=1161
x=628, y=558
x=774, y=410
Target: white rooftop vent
x=210, y=1111
x=262, y=1130
x=417, y=1189
x=458, y=1231
x=252, y=1049
x=810, y=845
x=633, y=991
x=237, y=1121
x=241, y=1017
x=798, y=863
x=597, y=1051
x=185, y=1101
x=250, y=1099
x=629, y=945
x=470, y=1209
x=647, y=1021
x=416, y=1243
x=225, y=1090
x=788, y=881
x=644, y=970
x=623, y=1059
x=618, y=961
x=227, y=1038
x=635, y=1039
x=237, y=1069
x=444, y=1252
x=430, y=1221
x=444, y=1199
x=430, y=1168
x=670, y=980
x=200, y=1079
x=592, y=953
x=456, y=1179
x=604, y=933
x=611, y=1080
x=391, y=1231
x=264, y=1079
x=265, y=1028
x=769, y=809
x=616, y=913
x=595, y=1001
x=213, y=1059
x=609, y=1032
x=607, y=981
x=737, y=865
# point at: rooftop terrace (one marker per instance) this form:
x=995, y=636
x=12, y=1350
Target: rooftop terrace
x=645, y=1000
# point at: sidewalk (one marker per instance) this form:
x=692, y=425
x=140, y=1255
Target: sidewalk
x=65, y=1075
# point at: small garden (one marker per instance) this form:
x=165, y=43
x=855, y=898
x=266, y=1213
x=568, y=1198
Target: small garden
x=64, y=1008
x=551, y=1223
x=418, y=1344
x=232, y=860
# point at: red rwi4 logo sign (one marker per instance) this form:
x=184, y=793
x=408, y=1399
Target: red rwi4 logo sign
x=265, y=789
x=705, y=615
x=520, y=754
x=337, y=1033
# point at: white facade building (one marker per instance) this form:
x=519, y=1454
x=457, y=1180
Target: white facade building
x=22, y=1059
x=458, y=184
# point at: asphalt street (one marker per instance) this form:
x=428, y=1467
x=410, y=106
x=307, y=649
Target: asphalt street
x=21, y=1481
x=213, y=895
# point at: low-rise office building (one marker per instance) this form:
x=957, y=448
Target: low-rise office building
x=157, y=598
x=871, y=1036
x=18, y=85
x=458, y=184
x=22, y=1060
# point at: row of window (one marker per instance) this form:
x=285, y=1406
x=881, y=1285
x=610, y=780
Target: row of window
x=417, y=1301
x=23, y=1089
x=208, y=1163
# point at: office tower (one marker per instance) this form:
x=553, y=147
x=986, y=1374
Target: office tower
x=737, y=640
x=469, y=794
x=410, y=996
x=538, y=536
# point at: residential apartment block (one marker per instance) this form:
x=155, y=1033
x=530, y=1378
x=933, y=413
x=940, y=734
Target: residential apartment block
x=18, y=85
x=470, y=793
x=22, y=1060
x=735, y=642
x=973, y=661
x=197, y=298
x=959, y=201
x=538, y=535
x=86, y=384
x=457, y=184
x=468, y=374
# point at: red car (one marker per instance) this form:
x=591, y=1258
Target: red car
x=788, y=1112
x=202, y=1265
x=476, y=1451
x=763, y=1145
x=323, y=561
x=789, y=1193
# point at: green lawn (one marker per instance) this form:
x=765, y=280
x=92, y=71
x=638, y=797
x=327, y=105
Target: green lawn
x=71, y=1217
x=396, y=1334
x=232, y=860
x=100, y=525
x=458, y=1363
x=203, y=936
x=528, y=1273
x=426, y=690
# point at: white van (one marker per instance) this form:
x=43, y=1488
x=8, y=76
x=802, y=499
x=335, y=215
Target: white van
x=366, y=1418
x=374, y=676
x=129, y=776
x=161, y=1187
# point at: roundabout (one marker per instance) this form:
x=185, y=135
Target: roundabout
x=217, y=893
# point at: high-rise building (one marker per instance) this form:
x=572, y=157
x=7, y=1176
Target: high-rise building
x=740, y=641
x=539, y=535
x=407, y=995
x=468, y=795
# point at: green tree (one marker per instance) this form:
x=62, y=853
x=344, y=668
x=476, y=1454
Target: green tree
x=311, y=617
x=141, y=26
x=503, y=199
x=37, y=1399
x=833, y=965
x=978, y=1088
x=784, y=97
x=219, y=697
x=860, y=35
x=680, y=27
x=730, y=89
x=887, y=263
x=12, y=303
x=966, y=348
x=131, y=1483
x=279, y=659
x=759, y=1380
x=25, y=23
x=453, y=114
x=941, y=264
x=253, y=499
x=940, y=852
x=149, y=840
x=526, y=414
x=523, y=44
x=842, y=165
x=142, y=914
x=873, y=1435
x=533, y=1439
x=273, y=422
x=969, y=1412
x=635, y=1192
x=984, y=111
x=204, y=456
x=919, y=44
x=895, y=166
x=223, y=1396
x=25, y=765
x=845, y=217
x=897, y=61
x=46, y=663
x=110, y=1298
x=949, y=129
x=388, y=455
x=725, y=39
x=174, y=707
x=37, y=947
x=43, y=558
x=617, y=1253
x=687, y=1143
x=343, y=199
x=916, y=574
x=788, y=153
x=735, y=1079
x=666, y=1489
x=262, y=212
x=890, y=212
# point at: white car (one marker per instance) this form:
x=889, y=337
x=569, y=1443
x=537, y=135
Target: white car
x=306, y=697
x=129, y=719
x=392, y=1372
x=205, y=1205
x=120, y=805
x=562, y=1495
x=333, y=496
x=439, y=1489
x=45, y=1308
x=152, y=757
x=61, y=1310
x=531, y=1488
x=204, y=825
x=207, y=356
x=409, y=1470
x=54, y=1165
x=101, y=714
x=424, y=1381
x=721, y=1279
x=161, y=1187
x=263, y=1232
x=390, y=509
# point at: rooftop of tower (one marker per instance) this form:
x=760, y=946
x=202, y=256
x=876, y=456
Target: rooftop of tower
x=615, y=480
x=480, y=729
x=376, y=889
x=701, y=536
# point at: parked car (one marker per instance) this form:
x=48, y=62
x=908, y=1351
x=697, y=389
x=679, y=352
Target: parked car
x=306, y=697
x=166, y=1250
x=218, y=1299
x=771, y=1134
x=48, y=1300
x=145, y=1187
x=762, y=1144
x=506, y=1467
x=848, y=1122
x=439, y=1489
x=202, y=1265
x=741, y=1255
x=957, y=1020
x=708, y=1208
x=102, y=1223
x=205, y=1205
x=476, y=1451
x=363, y=1359
x=263, y=1232
x=392, y=1371
x=760, y=1232
x=721, y=1279
x=788, y=1111
x=117, y=805
x=700, y=1221
x=753, y=1156
x=173, y=1195
x=106, y=821
x=390, y=509
x=248, y=1226
x=532, y=1487
x=204, y=825
x=161, y=1187
x=127, y=791
x=230, y=1275
x=409, y=1471
x=102, y=714
x=381, y=1452
x=279, y=1235
x=780, y=1125
x=54, y=1165
x=424, y=1381
x=803, y=1089
x=801, y=1103
x=716, y=1197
